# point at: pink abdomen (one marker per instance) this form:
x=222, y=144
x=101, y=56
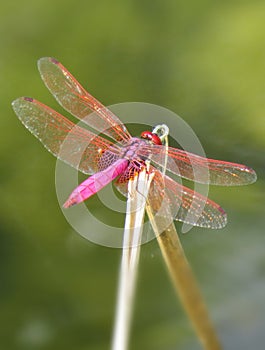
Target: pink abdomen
x=96, y=182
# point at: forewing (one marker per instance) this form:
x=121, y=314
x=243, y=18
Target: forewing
x=75, y=99
x=82, y=149
x=199, y=169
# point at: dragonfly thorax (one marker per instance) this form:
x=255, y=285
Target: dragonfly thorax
x=130, y=150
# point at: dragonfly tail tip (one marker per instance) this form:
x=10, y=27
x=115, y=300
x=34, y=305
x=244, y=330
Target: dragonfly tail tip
x=69, y=203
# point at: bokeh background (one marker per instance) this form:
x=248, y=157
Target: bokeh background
x=203, y=60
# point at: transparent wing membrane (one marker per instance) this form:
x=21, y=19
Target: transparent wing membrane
x=82, y=148
x=76, y=100
x=199, y=169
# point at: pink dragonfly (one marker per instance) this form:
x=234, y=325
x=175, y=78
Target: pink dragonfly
x=126, y=155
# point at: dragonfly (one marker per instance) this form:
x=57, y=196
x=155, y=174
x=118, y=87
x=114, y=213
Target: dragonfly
x=116, y=155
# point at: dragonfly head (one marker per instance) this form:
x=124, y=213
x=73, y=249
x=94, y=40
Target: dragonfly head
x=150, y=136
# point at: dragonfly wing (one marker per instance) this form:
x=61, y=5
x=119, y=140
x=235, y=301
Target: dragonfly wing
x=199, y=169
x=183, y=204
x=82, y=149
x=75, y=99
x=171, y=201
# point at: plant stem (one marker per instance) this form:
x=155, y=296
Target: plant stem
x=138, y=188
x=185, y=283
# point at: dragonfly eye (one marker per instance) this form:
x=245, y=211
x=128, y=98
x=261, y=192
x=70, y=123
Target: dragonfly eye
x=147, y=135
x=156, y=139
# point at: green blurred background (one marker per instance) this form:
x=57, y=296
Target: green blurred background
x=204, y=61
